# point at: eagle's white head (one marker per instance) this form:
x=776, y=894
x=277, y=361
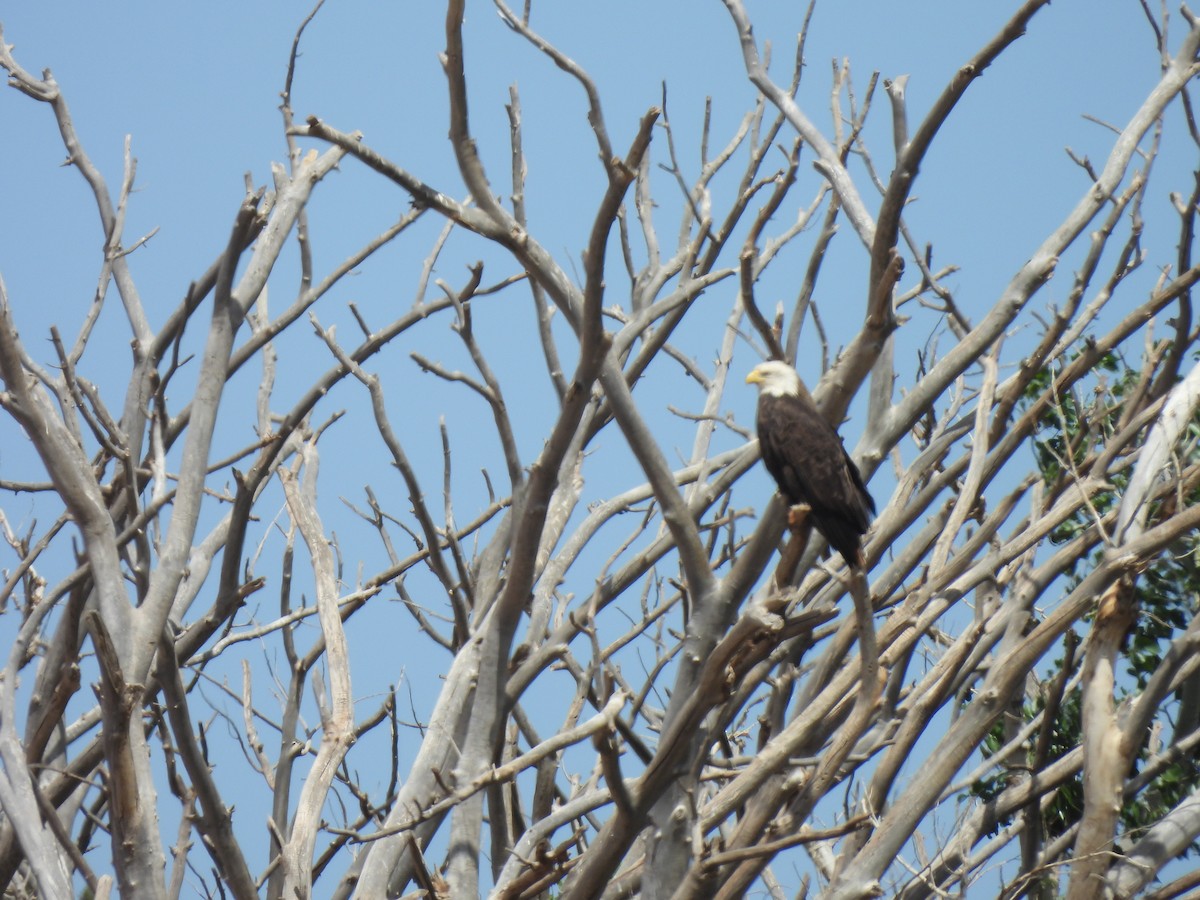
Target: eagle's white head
x=776, y=379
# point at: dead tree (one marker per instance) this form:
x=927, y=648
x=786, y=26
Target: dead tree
x=590, y=671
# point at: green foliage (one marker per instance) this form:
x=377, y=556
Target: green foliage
x=1062, y=423
x=1067, y=805
x=1069, y=431
x=1163, y=793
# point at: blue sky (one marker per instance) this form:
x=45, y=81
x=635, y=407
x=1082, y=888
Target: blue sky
x=197, y=87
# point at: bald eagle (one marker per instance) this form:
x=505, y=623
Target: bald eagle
x=806, y=458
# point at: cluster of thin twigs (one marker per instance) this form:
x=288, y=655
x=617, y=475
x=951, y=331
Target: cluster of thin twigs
x=722, y=724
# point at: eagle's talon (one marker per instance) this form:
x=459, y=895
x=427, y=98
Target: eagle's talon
x=798, y=515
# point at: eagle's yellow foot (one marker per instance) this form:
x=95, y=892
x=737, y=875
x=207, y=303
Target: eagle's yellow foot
x=798, y=515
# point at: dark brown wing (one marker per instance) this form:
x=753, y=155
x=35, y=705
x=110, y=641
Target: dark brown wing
x=806, y=458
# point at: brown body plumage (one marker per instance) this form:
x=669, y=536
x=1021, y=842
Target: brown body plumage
x=806, y=458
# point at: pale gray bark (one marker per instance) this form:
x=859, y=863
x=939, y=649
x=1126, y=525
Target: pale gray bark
x=1163, y=841
x=624, y=694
